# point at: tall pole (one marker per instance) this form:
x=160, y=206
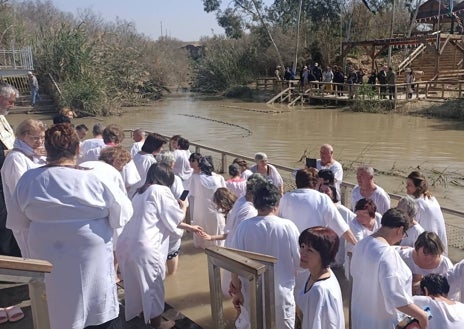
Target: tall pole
x=297, y=36
x=392, y=22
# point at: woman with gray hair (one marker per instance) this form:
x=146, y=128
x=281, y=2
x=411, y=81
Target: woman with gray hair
x=409, y=207
x=267, y=170
x=25, y=155
x=172, y=262
x=168, y=158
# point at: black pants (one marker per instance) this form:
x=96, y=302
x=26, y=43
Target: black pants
x=8, y=244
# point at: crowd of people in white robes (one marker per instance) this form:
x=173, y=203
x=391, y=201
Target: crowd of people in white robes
x=92, y=205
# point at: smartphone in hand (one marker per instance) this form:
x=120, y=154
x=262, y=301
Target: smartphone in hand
x=184, y=194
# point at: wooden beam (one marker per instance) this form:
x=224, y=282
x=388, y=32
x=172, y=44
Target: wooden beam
x=23, y=264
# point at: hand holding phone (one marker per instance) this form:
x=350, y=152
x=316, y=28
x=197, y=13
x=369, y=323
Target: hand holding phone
x=184, y=194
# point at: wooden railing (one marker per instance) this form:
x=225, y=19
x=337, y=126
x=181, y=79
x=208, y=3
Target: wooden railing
x=446, y=88
x=408, y=60
x=32, y=272
x=257, y=269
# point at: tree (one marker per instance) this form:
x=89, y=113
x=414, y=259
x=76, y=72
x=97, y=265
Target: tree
x=242, y=15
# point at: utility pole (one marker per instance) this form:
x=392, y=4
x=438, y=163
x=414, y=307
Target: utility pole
x=297, y=36
x=392, y=23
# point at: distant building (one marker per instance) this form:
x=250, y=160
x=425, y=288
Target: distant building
x=195, y=49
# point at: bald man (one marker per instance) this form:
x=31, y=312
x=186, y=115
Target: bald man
x=327, y=161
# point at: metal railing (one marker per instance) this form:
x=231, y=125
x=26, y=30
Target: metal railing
x=258, y=269
x=16, y=59
x=32, y=272
x=222, y=159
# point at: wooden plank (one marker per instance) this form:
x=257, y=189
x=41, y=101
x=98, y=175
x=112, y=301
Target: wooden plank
x=273, y=99
x=254, y=255
x=24, y=264
x=234, y=262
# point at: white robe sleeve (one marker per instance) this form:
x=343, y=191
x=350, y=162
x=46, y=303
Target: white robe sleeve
x=169, y=211
x=455, y=278
x=13, y=168
x=120, y=207
x=393, y=272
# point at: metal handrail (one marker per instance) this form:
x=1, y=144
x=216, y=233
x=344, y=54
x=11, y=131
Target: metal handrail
x=345, y=186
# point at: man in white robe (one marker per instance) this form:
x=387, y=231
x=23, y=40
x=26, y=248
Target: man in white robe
x=381, y=280
x=367, y=189
x=307, y=207
x=274, y=236
x=327, y=161
x=94, y=142
x=139, y=138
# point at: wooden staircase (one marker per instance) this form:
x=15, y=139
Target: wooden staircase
x=446, y=63
x=45, y=105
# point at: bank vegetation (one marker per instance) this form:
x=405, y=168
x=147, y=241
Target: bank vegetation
x=100, y=66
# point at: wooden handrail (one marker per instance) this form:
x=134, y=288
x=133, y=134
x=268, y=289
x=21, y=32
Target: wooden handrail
x=24, y=264
x=32, y=272
x=254, y=267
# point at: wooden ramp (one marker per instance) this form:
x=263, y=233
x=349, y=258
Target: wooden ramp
x=283, y=93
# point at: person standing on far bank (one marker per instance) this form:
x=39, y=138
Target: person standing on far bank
x=34, y=87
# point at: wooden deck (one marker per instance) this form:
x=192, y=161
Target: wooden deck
x=292, y=93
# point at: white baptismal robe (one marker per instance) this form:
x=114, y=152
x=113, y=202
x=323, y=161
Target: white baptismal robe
x=455, y=278
x=442, y=268
x=379, y=196
x=381, y=284
x=277, y=237
x=444, y=316
x=91, y=143
x=66, y=215
x=16, y=163
x=322, y=305
x=143, y=249
x=136, y=148
x=108, y=173
x=182, y=166
x=204, y=212
x=143, y=162
x=241, y=210
x=431, y=218
x=308, y=208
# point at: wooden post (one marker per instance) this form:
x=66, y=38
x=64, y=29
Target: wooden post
x=269, y=296
x=39, y=304
x=224, y=163
x=216, y=295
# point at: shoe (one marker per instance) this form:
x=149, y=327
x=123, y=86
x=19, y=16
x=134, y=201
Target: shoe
x=3, y=316
x=14, y=313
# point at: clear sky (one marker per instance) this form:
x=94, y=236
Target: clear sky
x=181, y=19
